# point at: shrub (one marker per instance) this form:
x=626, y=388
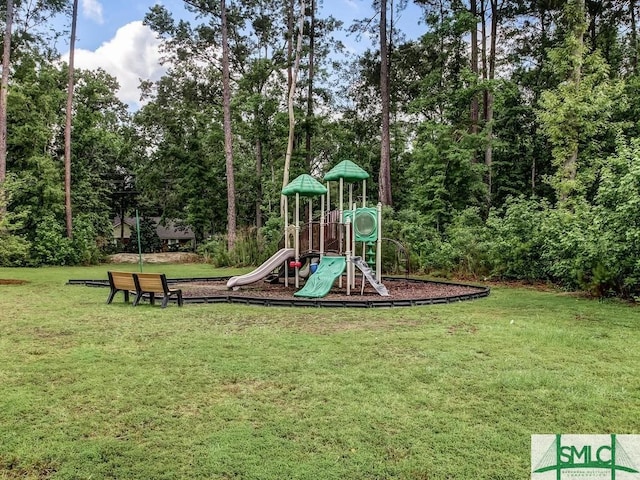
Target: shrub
x=467, y=239
x=249, y=250
x=459, y=250
x=14, y=251
x=411, y=230
x=518, y=238
x=215, y=251
x=271, y=233
x=50, y=245
x=84, y=243
x=597, y=247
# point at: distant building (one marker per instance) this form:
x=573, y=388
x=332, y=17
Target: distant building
x=174, y=236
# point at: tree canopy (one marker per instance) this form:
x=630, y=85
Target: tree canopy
x=504, y=135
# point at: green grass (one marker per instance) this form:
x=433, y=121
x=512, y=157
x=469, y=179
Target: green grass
x=89, y=390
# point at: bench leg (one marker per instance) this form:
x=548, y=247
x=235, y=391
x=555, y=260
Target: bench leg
x=112, y=294
x=137, y=299
x=126, y=296
x=177, y=293
x=152, y=298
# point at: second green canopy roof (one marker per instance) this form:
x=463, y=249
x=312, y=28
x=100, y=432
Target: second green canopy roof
x=305, y=185
x=346, y=170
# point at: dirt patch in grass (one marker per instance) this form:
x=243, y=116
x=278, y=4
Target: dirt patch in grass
x=462, y=327
x=12, y=281
x=12, y=468
x=320, y=326
x=169, y=257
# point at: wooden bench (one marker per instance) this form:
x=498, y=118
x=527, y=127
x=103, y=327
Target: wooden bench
x=152, y=284
x=121, y=282
x=140, y=284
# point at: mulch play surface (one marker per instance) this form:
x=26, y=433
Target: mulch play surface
x=399, y=289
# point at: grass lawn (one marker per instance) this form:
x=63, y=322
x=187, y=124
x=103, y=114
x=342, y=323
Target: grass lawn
x=89, y=390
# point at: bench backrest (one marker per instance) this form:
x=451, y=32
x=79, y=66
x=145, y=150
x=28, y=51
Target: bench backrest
x=152, y=282
x=122, y=280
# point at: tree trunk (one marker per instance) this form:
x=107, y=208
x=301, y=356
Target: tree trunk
x=484, y=58
x=541, y=56
x=488, y=154
x=309, y=123
x=570, y=164
x=228, y=138
x=533, y=175
x=384, y=178
x=290, y=36
x=4, y=88
x=67, y=127
x=292, y=118
x=259, y=176
x=474, y=67
x=634, y=35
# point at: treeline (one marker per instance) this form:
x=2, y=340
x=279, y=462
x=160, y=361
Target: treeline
x=512, y=135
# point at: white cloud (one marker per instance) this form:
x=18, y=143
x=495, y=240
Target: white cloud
x=352, y=5
x=92, y=9
x=132, y=54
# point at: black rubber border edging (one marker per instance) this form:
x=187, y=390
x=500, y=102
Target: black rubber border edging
x=319, y=302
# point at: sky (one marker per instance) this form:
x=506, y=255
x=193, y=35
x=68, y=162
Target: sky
x=110, y=35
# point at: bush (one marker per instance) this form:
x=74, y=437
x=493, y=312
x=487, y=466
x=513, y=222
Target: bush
x=214, y=251
x=84, y=243
x=249, y=250
x=518, y=239
x=413, y=231
x=597, y=247
x=14, y=251
x=50, y=245
x=270, y=235
x=459, y=250
x=467, y=247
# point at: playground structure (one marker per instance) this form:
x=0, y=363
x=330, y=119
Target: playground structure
x=334, y=241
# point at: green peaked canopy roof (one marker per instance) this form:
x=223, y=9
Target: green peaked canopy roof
x=305, y=185
x=347, y=170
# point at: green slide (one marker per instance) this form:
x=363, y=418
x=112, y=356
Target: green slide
x=319, y=284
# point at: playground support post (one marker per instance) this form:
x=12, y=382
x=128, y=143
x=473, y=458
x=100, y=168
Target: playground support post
x=348, y=255
x=341, y=219
x=353, y=245
x=296, y=240
x=364, y=205
x=364, y=193
x=379, y=244
x=310, y=228
x=322, y=223
x=328, y=197
x=286, y=238
x=341, y=198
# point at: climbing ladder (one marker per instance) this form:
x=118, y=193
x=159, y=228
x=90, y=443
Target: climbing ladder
x=368, y=273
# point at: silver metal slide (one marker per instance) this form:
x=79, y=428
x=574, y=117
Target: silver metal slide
x=263, y=270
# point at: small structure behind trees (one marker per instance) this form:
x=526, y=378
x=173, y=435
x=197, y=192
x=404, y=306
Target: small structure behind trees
x=156, y=235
